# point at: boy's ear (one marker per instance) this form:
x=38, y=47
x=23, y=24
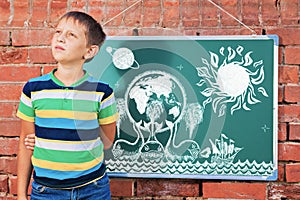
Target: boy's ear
x=91, y=52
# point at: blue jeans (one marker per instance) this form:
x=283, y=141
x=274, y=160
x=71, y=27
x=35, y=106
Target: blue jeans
x=98, y=190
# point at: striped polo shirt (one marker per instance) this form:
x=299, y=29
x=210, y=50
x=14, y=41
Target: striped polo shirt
x=68, y=150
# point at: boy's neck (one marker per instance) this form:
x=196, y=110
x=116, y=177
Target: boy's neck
x=69, y=75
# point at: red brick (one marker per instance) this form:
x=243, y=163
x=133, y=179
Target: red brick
x=210, y=14
x=217, y=31
x=40, y=55
x=292, y=93
x=13, y=185
x=294, y=133
x=10, y=92
x=40, y=15
x=115, y=3
x=4, y=37
x=58, y=8
x=97, y=13
x=4, y=183
x=187, y=3
x=151, y=16
x=152, y=3
x=124, y=31
x=9, y=146
x=130, y=3
x=40, y=3
x=230, y=190
x=133, y=16
x=231, y=7
x=280, y=93
x=10, y=127
x=17, y=74
x=190, y=16
x=31, y=37
x=289, y=151
x=292, y=55
x=113, y=12
x=122, y=187
x=269, y=13
x=292, y=172
x=288, y=74
x=280, y=54
x=10, y=55
x=250, y=12
x=8, y=197
x=155, y=32
x=110, y=13
x=47, y=69
x=5, y=12
x=287, y=36
x=190, y=24
x=281, y=172
x=21, y=13
x=8, y=165
x=283, y=191
x=289, y=113
x=246, y=31
x=100, y=3
x=168, y=3
x=8, y=110
x=289, y=12
x=171, y=17
x=161, y=187
x=80, y=4
x=282, y=131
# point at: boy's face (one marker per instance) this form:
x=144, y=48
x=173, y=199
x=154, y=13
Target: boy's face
x=69, y=42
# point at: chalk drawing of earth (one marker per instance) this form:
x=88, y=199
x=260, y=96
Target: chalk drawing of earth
x=156, y=99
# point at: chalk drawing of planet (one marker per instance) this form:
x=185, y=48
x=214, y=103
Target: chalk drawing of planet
x=123, y=58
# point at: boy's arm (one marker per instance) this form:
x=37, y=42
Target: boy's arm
x=24, y=160
x=107, y=134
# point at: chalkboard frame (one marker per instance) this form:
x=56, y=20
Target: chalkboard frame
x=107, y=48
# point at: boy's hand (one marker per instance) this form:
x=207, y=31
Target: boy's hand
x=30, y=141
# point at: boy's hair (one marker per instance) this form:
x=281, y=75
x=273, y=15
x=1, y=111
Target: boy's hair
x=94, y=32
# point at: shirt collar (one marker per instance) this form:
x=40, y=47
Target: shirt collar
x=58, y=82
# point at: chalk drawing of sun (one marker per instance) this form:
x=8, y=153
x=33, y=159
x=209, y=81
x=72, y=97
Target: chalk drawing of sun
x=231, y=78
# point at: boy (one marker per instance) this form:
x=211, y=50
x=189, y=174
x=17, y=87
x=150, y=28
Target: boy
x=67, y=110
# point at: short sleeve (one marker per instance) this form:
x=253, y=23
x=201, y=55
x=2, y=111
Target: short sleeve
x=25, y=109
x=108, y=109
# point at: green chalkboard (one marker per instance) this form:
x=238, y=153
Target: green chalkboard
x=192, y=107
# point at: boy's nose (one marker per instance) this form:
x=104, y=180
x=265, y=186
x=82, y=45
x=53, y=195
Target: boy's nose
x=61, y=38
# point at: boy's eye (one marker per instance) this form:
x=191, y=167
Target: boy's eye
x=57, y=31
x=72, y=34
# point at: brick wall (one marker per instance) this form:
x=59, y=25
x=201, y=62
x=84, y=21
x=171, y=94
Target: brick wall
x=25, y=53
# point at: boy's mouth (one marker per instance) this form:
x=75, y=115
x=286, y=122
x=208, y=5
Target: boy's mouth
x=59, y=48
